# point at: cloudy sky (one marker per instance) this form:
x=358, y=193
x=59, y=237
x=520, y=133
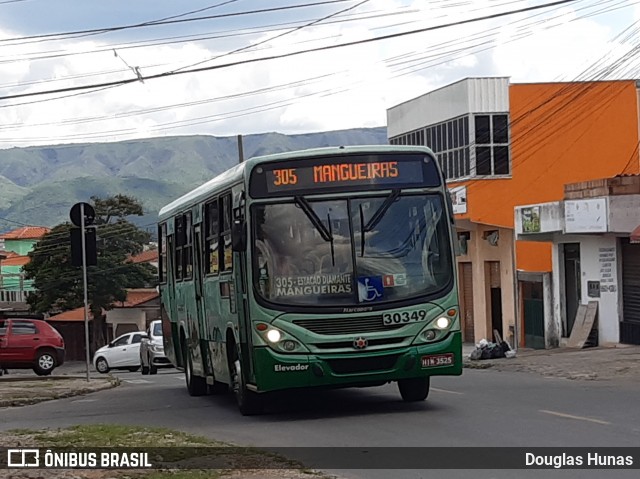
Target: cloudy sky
x=291, y=66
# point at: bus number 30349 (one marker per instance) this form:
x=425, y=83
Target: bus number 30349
x=404, y=317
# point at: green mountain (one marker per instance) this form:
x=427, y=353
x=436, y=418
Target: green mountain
x=38, y=185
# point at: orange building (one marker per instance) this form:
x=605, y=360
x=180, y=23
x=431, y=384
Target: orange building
x=502, y=145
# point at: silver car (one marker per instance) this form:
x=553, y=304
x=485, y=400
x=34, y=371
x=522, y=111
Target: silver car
x=152, y=350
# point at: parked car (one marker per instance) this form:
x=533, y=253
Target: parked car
x=121, y=353
x=30, y=344
x=152, y=350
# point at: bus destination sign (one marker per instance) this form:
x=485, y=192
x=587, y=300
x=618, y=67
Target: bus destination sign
x=320, y=174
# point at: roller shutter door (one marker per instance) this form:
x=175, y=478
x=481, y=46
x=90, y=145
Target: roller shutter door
x=630, y=324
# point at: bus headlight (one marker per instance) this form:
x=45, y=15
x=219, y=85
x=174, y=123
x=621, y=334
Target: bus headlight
x=278, y=339
x=273, y=335
x=437, y=329
x=429, y=334
x=289, y=345
x=442, y=322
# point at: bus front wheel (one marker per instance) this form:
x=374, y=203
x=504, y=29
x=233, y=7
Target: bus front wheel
x=249, y=403
x=414, y=389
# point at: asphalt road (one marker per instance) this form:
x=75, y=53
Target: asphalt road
x=481, y=408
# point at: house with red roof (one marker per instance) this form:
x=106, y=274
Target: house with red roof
x=15, y=245
x=134, y=314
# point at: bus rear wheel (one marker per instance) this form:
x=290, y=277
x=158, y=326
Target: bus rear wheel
x=414, y=389
x=249, y=402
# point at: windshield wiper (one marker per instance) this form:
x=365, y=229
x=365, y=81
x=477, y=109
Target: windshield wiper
x=361, y=231
x=380, y=212
x=302, y=202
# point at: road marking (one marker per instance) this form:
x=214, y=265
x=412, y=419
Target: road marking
x=446, y=391
x=85, y=400
x=136, y=381
x=571, y=416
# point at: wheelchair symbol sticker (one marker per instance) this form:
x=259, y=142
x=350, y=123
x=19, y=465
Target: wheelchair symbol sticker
x=370, y=288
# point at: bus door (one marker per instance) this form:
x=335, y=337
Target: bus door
x=241, y=294
x=169, y=311
x=198, y=275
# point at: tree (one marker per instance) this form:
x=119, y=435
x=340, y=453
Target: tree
x=58, y=285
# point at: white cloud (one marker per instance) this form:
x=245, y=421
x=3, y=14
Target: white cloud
x=334, y=89
x=552, y=51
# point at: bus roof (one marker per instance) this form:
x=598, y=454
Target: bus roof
x=237, y=173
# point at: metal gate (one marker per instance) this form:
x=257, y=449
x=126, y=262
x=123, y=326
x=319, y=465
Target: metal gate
x=630, y=324
x=533, y=311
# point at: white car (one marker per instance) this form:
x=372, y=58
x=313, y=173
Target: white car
x=152, y=350
x=121, y=353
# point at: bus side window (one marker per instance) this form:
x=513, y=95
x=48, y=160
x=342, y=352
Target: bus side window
x=162, y=259
x=179, y=228
x=211, y=254
x=187, y=248
x=225, y=233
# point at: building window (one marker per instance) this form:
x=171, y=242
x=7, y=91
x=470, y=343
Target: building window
x=483, y=130
x=450, y=142
x=492, y=144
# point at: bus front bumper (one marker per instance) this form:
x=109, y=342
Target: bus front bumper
x=276, y=371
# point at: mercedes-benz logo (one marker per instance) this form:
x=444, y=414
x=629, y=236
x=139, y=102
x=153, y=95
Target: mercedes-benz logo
x=360, y=343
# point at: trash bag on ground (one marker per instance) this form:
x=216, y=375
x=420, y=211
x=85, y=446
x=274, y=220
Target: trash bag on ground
x=486, y=350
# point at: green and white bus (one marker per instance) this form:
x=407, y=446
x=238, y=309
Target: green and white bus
x=330, y=267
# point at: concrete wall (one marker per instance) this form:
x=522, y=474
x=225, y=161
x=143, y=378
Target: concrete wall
x=479, y=254
x=471, y=95
x=127, y=316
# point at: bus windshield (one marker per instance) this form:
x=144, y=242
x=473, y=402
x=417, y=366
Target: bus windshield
x=353, y=251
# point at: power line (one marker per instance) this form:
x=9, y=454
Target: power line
x=256, y=109
x=293, y=30
x=174, y=21
x=287, y=55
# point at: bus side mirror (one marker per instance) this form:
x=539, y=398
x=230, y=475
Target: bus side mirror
x=238, y=236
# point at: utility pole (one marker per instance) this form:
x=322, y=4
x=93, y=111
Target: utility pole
x=84, y=284
x=240, y=150
x=82, y=215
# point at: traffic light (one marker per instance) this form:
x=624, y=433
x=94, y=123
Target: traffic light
x=90, y=245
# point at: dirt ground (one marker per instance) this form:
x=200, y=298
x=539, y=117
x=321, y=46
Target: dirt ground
x=24, y=390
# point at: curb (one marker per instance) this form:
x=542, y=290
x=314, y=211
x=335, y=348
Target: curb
x=108, y=383
x=41, y=378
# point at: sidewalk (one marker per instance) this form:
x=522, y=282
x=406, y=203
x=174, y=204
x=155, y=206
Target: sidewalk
x=69, y=368
x=620, y=363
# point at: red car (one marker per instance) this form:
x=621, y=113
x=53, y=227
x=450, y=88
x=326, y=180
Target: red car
x=30, y=344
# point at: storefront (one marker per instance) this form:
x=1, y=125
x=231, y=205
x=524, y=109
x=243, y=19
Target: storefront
x=595, y=256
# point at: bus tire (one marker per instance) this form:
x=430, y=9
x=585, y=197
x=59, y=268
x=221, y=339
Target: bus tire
x=196, y=385
x=414, y=389
x=249, y=402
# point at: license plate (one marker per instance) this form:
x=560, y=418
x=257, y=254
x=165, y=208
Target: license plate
x=437, y=360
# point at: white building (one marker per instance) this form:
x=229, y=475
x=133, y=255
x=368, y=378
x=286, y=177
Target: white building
x=596, y=256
